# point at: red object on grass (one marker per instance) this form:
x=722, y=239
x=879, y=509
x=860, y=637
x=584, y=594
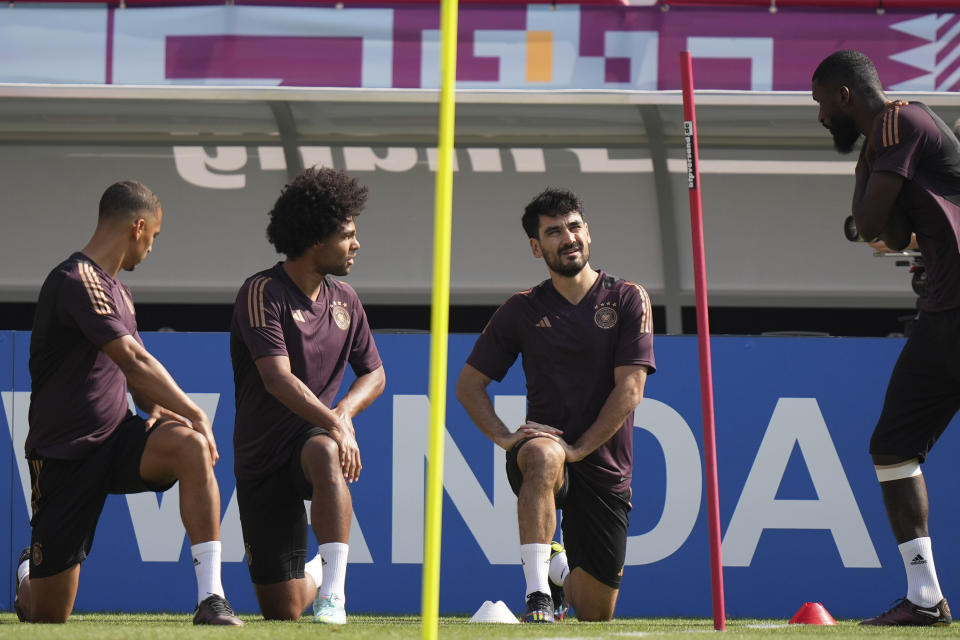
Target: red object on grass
x=703, y=339
x=812, y=613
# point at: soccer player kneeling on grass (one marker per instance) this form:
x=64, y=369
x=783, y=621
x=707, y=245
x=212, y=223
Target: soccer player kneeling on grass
x=294, y=330
x=84, y=443
x=587, y=344
x=907, y=180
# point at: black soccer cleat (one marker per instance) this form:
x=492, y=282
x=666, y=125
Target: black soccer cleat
x=906, y=614
x=17, y=606
x=216, y=610
x=539, y=608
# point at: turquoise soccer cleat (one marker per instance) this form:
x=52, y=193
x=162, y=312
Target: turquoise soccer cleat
x=329, y=609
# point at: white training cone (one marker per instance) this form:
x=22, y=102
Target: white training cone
x=494, y=612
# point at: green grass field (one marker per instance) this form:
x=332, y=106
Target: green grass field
x=113, y=626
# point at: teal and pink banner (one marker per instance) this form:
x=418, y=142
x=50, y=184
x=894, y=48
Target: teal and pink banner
x=501, y=46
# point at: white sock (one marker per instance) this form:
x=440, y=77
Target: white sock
x=334, y=556
x=206, y=562
x=923, y=588
x=535, y=558
x=314, y=569
x=23, y=571
x=559, y=568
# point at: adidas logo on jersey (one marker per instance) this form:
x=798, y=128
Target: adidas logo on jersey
x=298, y=315
x=544, y=322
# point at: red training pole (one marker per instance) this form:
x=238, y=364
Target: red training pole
x=703, y=339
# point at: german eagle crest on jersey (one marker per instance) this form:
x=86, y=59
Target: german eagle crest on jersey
x=340, y=314
x=606, y=316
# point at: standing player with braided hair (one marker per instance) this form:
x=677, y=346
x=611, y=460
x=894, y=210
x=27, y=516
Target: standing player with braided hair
x=294, y=330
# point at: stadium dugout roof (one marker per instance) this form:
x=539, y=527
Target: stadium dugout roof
x=297, y=115
x=763, y=135
x=252, y=115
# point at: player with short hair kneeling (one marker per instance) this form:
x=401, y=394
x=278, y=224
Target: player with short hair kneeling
x=587, y=344
x=84, y=443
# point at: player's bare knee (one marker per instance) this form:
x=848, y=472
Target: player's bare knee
x=540, y=455
x=278, y=611
x=48, y=617
x=321, y=456
x=592, y=609
x=191, y=451
x=322, y=449
x=594, y=615
x=175, y=440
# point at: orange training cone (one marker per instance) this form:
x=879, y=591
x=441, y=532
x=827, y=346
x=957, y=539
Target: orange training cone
x=812, y=613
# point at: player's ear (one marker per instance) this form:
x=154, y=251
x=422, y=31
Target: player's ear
x=137, y=228
x=535, y=248
x=844, y=95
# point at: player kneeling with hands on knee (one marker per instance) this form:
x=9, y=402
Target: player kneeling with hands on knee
x=587, y=344
x=84, y=443
x=294, y=330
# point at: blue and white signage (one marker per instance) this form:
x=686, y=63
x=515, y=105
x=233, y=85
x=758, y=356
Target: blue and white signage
x=801, y=511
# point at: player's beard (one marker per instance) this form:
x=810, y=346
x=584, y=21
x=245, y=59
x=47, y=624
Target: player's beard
x=338, y=269
x=845, y=132
x=557, y=264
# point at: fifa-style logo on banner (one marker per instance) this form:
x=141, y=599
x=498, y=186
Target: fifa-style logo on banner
x=340, y=314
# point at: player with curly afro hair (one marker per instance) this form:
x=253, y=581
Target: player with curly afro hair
x=294, y=331
x=311, y=207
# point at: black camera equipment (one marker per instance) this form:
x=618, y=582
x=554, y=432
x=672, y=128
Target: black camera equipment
x=911, y=259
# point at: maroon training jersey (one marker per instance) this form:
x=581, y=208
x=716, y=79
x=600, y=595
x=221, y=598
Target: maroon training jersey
x=273, y=317
x=569, y=354
x=78, y=394
x=915, y=143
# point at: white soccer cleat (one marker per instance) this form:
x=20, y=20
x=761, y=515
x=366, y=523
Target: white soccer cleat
x=329, y=609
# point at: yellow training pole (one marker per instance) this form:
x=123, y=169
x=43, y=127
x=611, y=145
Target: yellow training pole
x=439, y=320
